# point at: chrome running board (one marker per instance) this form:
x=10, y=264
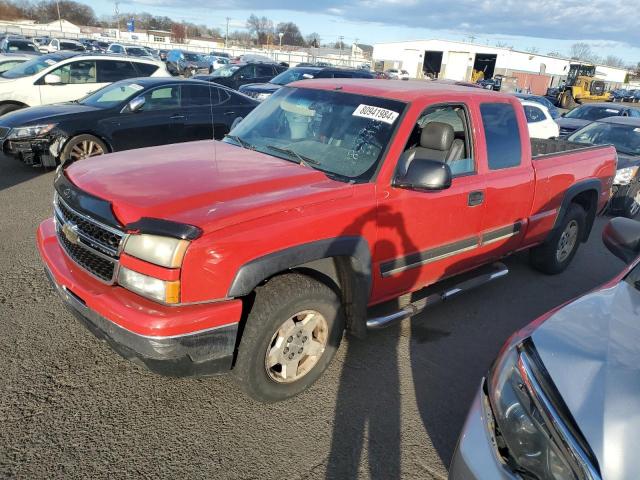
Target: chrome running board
x=477, y=278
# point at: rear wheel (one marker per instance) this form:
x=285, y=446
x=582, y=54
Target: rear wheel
x=291, y=335
x=81, y=147
x=9, y=107
x=555, y=255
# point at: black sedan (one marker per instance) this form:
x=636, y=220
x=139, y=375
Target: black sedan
x=234, y=75
x=261, y=91
x=590, y=112
x=134, y=113
x=624, y=134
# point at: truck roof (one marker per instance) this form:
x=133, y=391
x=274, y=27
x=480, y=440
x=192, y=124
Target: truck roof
x=405, y=90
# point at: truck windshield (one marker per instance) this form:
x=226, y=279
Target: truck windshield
x=342, y=134
x=626, y=138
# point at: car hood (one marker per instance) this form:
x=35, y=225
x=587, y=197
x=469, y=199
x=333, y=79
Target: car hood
x=260, y=87
x=45, y=113
x=208, y=184
x=591, y=349
x=571, y=123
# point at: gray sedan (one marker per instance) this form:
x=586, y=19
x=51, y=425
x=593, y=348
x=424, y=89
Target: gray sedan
x=562, y=399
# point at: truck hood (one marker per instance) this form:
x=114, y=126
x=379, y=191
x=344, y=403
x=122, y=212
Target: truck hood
x=208, y=184
x=591, y=349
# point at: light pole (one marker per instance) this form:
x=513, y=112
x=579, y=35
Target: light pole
x=226, y=37
x=281, y=34
x=341, y=38
x=59, y=17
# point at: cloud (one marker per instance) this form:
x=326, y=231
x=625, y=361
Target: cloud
x=602, y=20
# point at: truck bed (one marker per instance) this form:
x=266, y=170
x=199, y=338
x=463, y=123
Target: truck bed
x=542, y=147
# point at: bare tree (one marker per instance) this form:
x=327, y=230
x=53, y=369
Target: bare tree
x=291, y=34
x=261, y=27
x=581, y=51
x=532, y=50
x=501, y=44
x=554, y=53
x=613, y=61
x=313, y=39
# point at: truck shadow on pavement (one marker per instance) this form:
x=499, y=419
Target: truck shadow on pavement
x=14, y=172
x=450, y=348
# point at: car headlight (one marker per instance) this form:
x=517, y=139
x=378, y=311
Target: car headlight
x=150, y=287
x=262, y=96
x=31, y=131
x=536, y=444
x=625, y=175
x=164, y=251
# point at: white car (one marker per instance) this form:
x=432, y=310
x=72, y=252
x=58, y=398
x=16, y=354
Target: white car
x=57, y=44
x=396, y=74
x=216, y=62
x=66, y=76
x=130, y=50
x=540, y=122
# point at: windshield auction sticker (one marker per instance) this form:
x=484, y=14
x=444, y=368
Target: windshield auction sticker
x=376, y=113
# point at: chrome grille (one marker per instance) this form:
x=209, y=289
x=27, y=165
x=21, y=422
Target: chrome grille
x=95, y=246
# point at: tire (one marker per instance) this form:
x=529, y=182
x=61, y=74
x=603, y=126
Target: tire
x=267, y=330
x=73, y=150
x=567, y=100
x=10, y=107
x=548, y=257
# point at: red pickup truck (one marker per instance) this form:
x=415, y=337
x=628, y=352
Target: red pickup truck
x=256, y=253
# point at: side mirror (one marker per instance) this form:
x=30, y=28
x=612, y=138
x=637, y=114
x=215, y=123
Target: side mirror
x=136, y=104
x=236, y=122
x=426, y=175
x=622, y=237
x=563, y=114
x=52, y=79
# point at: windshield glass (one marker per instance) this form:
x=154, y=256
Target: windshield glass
x=32, y=67
x=626, y=138
x=13, y=46
x=225, y=71
x=193, y=57
x=342, y=134
x=112, y=95
x=137, y=52
x=592, y=113
x=292, y=75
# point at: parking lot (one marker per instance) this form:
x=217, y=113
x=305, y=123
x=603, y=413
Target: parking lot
x=391, y=406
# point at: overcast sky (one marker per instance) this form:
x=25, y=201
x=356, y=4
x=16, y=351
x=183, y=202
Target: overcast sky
x=610, y=26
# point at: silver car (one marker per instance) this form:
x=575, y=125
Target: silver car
x=562, y=400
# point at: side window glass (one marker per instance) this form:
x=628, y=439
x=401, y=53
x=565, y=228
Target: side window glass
x=199, y=96
x=224, y=96
x=145, y=69
x=77, y=72
x=533, y=114
x=114, y=70
x=504, y=148
x=248, y=72
x=162, y=98
x=442, y=134
x=264, y=70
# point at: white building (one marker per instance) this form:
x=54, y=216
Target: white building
x=457, y=61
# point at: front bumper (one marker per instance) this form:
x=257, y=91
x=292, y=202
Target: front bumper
x=32, y=151
x=476, y=455
x=175, y=341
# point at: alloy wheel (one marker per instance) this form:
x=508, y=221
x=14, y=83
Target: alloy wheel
x=567, y=241
x=85, y=149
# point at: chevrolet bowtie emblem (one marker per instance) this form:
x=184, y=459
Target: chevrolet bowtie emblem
x=70, y=231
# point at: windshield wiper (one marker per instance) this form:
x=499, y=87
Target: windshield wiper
x=240, y=141
x=302, y=160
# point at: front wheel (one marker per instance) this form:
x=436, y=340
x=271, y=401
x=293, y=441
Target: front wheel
x=555, y=255
x=292, y=333
x=81, y=147
x=567, y=100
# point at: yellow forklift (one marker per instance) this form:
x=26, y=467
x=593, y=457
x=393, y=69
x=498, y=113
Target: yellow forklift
x=581, y=86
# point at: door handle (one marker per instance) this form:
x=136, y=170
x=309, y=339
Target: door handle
x=177, y=117
x=476, y=198
x=229, y=113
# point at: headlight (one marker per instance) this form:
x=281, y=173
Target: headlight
x=536, y=442
x=164, y=251
x=262, y=96
x=150, y=287
x=31, y=131
x=625, y=175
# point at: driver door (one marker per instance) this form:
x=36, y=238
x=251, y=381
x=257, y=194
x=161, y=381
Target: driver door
x=77, y=79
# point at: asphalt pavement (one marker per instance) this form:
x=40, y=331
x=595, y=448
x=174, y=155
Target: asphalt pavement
x=388, y=407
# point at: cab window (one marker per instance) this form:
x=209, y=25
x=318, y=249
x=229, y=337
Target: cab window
x=248, y=71
x=264, y=70
x=162, y=98
x=441, y=133
x=502, y=134
x=77, y=72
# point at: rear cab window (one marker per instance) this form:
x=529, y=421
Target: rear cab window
x=502, y=135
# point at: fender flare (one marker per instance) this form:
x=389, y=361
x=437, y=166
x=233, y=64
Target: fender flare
x=251, y=274
x=591, y=184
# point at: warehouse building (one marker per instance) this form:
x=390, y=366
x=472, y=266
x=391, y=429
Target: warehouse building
x=462, y=61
